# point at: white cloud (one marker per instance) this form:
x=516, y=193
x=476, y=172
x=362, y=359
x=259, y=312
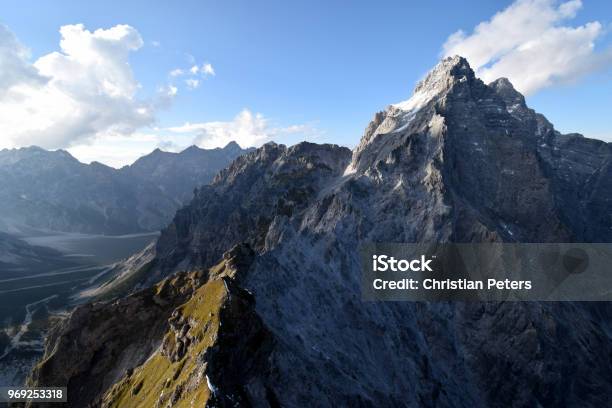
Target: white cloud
x=176, y=72
x=120, y=150
x=88, y=89
x=14, y=66
x=247, y=129
x=194, y=75
x=207, y=69
x=169, y=146
x=529, y=43
x=171, y=90
x=192, y=83
x=114, y=150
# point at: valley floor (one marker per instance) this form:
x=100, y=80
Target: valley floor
x=30, y=302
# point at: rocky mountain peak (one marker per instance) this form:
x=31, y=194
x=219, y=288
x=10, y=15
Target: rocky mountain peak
x=36, y=156
x=513, y=98
x=232, y=146
x=452, y=74
x=191, y=150
x=503, y=83
x=459, y=140
x=444, y=75
x=437, y=82
x=450, y=94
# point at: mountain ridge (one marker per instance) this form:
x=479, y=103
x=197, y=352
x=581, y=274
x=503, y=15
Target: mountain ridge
x=460, y=163
x=52, y=190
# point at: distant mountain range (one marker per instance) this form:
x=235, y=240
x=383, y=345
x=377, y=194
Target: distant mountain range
x=51, y=190
x=261, y=302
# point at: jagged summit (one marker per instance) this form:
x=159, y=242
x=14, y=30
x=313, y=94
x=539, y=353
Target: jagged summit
x=448, y=75
x=502, y=82
x=440, y=79
x=15, y=155
x=449, y=91
x=508, y=93
x=32, y=148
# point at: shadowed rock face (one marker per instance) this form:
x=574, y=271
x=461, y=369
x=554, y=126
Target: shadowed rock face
x=460, y=161
x=177, y=174
x=246, y=198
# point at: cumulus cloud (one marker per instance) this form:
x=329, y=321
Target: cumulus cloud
x=114, y=150
x=120, y=150
x=533, y=44
x=84, y=90
x=14, y=66
x=247, y=129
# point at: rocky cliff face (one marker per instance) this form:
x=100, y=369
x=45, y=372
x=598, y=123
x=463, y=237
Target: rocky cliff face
x=176, y=344
x=460, y=161
x=47, y=190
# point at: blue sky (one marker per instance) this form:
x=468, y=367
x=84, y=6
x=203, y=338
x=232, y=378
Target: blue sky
x=317, y=70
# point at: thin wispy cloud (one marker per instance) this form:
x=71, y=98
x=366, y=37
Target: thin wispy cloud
x=192, y=83
x=534, y=44
x=176, y=72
